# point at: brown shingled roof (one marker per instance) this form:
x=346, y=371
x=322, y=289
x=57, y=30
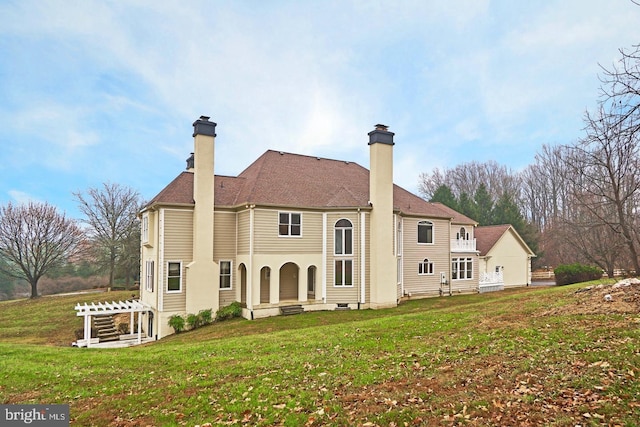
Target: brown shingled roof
x=456, y=217
x=487, y=236
x=285, y=179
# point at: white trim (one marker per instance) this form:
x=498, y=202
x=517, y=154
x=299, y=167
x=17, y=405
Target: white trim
x=290, y=236
x=324, y=256
x=343, y=246
x=160, y=275
x=466, y=259
x=433, y=232
x=230, y=288
x=166, y=288
x=363, y=257
x=429, y=262
x=343, y=272
x=250, y=270
x=144, y=228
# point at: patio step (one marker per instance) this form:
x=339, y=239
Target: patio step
x=106, y=329
x=291, y=309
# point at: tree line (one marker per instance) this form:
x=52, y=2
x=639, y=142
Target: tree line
x=37, y=240
x=577, y=202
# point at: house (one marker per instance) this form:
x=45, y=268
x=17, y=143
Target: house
x=299, y=230
x=505, y=259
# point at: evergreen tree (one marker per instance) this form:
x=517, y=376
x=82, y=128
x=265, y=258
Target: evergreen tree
x=483, y=205
x=444, y=195
x=467, y=206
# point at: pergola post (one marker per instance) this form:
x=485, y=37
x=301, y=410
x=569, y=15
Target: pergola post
x=87, y=329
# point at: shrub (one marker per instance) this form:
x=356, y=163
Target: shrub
x=177, y=323
x=229, y=312
x=576, y=273
x=123, y=328
x=206, y=316
x=194, y=321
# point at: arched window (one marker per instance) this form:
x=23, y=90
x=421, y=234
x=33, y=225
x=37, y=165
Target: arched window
x=425, y=267
x=462, y=234
x=343, y=237
x=425, y=232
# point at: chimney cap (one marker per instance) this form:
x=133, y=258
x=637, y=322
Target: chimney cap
x=203, y=126
x=381, y=134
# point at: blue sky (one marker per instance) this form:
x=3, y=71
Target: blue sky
x=106, y=91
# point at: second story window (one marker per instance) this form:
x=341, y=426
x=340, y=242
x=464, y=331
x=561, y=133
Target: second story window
x=425, y=232
x=343, y=237
x=289, y=224
x=145, y=228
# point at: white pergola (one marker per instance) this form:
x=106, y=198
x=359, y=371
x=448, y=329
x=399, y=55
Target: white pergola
x=111, y=308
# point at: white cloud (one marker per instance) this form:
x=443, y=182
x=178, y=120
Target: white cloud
x=22, y=197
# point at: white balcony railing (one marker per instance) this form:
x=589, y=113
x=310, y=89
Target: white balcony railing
x=490, y=282
x=458, y=245
x=492, y=277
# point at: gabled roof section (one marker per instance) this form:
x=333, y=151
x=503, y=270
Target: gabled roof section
x=283, y=179
x=487, y=237
x=179, y=191
x=456, y=217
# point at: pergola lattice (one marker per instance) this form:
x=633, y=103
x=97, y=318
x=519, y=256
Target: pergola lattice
x=111, y=308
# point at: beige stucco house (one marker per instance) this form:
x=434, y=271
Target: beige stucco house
x=505, y=259
x=297, y=230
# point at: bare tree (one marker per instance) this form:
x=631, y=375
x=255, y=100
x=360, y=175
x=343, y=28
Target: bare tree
x=111, y=216
x=607, y=162
x=467, y=177
x=621, y=86
x=34, y=238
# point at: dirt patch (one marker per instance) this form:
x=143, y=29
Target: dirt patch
x=622, y=297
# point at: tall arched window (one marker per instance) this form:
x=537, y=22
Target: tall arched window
x=343, y=237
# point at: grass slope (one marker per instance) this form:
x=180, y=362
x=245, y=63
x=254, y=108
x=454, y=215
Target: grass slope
x=478, y=360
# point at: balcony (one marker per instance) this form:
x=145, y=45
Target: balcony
x=459, y=245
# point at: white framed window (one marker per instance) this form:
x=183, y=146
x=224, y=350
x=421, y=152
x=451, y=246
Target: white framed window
x=343, y=237
x=149, y=271
x=174, y=276
x=461, y=268
x=425, y=232
x=343, y=273
x=144, y=233
x=425, y=267
x=289, y=224
x=225, y=274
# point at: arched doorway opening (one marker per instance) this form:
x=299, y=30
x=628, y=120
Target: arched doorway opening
x=265, y=285
x=243, y=285
x=289, y=282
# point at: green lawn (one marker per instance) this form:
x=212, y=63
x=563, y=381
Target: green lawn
x=479, y=360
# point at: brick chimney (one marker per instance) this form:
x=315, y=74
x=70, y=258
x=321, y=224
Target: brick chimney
x=383, y=261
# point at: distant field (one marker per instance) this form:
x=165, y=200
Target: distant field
x=536, y=356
